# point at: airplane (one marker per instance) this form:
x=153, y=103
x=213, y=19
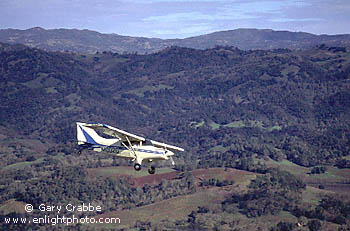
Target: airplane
x=124, y=144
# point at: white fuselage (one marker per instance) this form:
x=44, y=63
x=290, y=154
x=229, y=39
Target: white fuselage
x=142, y=152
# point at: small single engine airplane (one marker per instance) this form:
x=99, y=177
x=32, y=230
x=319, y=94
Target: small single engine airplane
x=124, y=145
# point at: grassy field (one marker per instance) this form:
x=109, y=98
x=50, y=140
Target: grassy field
x=172, y=209
x=219, y=148
x=197, y=124
x=142, y=177
x=179, y=207
x=301, y=171
x=21, y=165
x=312, y=195
x=238, y=176
x=125, y=170
x=334, y=179
x=12, y=206
x=214, y=125
x=241, y=124
x=285, y=165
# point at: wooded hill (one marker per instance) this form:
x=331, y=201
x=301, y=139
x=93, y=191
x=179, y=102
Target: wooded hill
x=87, y=41
x=221, y=104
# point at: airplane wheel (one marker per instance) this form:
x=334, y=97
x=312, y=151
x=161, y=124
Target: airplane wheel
x=137, y=167
x=152, y=170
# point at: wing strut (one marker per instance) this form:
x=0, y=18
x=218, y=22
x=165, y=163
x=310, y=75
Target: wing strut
x=132, y=149
x=171, y=160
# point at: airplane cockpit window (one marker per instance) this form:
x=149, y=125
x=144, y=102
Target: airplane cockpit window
x=148, y=142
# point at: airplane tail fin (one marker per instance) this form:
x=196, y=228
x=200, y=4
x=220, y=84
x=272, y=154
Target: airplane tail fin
x=87, y=135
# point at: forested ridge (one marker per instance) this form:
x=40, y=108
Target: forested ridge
x=226, y=107
x=282, y=104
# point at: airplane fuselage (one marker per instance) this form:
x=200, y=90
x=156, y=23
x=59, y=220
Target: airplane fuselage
x=142, y=152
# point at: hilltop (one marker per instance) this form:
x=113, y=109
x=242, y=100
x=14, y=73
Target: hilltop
x=87, y=41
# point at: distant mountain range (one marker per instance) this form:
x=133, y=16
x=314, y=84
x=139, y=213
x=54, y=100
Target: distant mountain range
x=86, y=41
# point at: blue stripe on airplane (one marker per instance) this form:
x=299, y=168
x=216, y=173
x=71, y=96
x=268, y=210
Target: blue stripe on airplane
x=149, y=151
x=89, y=139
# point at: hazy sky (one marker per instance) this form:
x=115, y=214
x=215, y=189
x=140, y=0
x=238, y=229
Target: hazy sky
x=177, y=18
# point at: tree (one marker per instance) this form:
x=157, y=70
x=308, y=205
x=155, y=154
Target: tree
x=314, y=225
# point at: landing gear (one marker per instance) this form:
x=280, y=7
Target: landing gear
x=152, y=170
x=137, y=167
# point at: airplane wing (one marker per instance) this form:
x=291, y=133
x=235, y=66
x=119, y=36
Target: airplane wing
x=167, y=146
x=115, y=132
